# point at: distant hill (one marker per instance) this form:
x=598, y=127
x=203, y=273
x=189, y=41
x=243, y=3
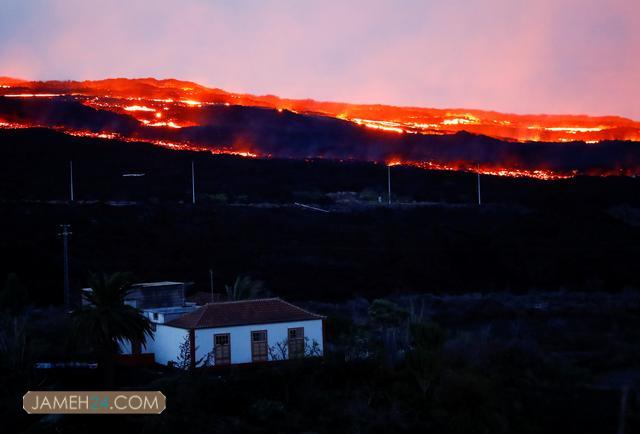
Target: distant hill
x=285, y=134
x=422, y=120
x=10, y=81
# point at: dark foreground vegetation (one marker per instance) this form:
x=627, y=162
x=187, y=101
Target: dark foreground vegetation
x=531, y=326
x=449, y=364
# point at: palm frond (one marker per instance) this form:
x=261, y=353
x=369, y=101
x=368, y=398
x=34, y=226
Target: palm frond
x=107, y=321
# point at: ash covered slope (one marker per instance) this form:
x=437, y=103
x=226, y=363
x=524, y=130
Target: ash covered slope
x=285, y=134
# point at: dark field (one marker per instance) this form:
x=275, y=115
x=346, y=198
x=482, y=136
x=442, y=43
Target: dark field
x=579, y=234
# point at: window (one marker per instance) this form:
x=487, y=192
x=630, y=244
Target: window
x=222, y=349
x=259, y=348
x=296, y=342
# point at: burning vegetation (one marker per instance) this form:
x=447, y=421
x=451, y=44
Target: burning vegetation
x=186, y=116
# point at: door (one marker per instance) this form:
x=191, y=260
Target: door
x=296, y=342
x=259, y=347
x=222, y=348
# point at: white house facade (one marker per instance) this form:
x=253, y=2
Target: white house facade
x=238, y=332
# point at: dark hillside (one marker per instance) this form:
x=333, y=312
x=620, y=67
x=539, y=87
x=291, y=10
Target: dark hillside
x=529, y=234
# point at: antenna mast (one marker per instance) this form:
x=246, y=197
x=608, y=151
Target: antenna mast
x=479, y=193
x=389, y=183
x=193, y=183
x=71, y=179
x=65, y=231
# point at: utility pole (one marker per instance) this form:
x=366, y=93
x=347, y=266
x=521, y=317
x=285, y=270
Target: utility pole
x=193, y=183
x=71, y=179
x=389, y=183
x=623, y=409
x=479, y=194
x=211, y=283
x=65, y=231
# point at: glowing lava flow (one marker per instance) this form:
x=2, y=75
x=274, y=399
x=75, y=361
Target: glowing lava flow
x=518, y=129
x=138, y=108
x=176, y=146
x=379, y=125
x=31, y=95
x=152, y=94
x=165, y=108
x=541, y=174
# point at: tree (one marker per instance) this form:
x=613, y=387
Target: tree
x=106, y=322
x=423, y=358
x=386, y=313
x=244, y=288
x=280, y=351
x=389, y=317
x=183, y=361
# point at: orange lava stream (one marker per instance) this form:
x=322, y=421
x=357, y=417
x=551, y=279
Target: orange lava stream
x=545, y=175
x=173, y=96
x=177, y=146
x=174, y=104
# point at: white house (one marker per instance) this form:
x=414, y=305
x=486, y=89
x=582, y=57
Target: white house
x=156, y=315
x=238, y=332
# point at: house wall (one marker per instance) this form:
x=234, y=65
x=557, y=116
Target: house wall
x=167, y=340
x=166, y=343
x=161, y=315
x=240, y=337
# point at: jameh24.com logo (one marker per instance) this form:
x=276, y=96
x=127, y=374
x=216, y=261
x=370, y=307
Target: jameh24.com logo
x=116, y=402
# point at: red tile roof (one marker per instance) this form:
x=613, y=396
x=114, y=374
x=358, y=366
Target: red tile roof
x=245, y=312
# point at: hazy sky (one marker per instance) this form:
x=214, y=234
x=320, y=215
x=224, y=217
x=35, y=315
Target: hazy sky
x=553, y=56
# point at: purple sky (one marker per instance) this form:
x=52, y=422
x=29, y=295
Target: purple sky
x=533, y=56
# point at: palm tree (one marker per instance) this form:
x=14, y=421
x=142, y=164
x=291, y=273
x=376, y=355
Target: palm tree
x=107, y=321
x=245, y=287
